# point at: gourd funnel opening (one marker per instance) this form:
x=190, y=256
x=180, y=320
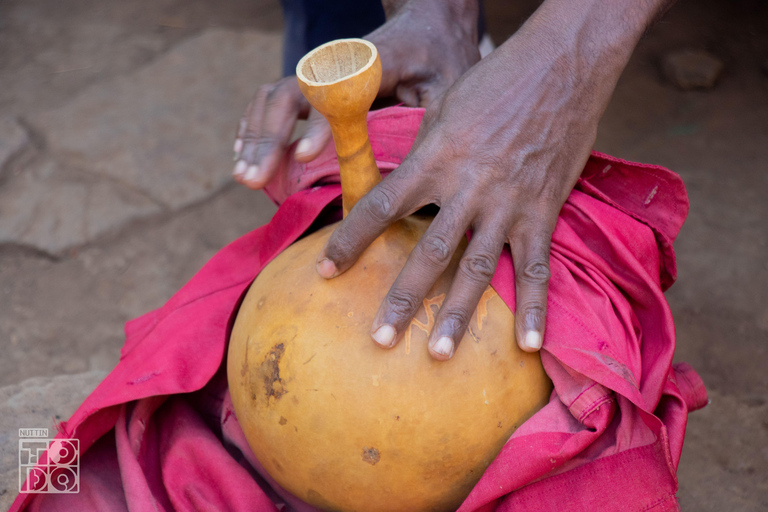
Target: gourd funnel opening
x=336, y=61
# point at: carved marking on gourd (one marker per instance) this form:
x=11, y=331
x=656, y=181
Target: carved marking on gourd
x=436, y=302
x=482, y=306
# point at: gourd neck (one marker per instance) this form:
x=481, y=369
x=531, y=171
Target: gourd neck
x=357, y=165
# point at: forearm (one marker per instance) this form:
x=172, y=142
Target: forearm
x=588, y=42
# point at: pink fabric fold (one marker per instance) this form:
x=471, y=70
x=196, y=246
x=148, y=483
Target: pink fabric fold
x=159, y=432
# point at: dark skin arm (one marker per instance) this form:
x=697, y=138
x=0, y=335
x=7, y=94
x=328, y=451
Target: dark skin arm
x=499, y=152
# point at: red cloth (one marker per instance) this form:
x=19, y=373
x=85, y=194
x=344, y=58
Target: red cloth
x=159, y=432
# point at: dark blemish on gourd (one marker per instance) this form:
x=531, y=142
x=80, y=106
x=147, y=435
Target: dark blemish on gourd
x=494, y=352
x=283, y=421
x=522, y=363
x=244, y=369
x=499, y=425
x=308, y=360
x=371, y=455
x=474, y=336
x=274, y=387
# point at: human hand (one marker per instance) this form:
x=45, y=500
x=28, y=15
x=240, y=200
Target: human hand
x=499, y=153
x=425, y=47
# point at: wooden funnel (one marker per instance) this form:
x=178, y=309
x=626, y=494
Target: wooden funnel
x=341, y=79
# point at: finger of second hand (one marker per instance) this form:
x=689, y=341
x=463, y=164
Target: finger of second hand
x=476, y=269
x=427, y=261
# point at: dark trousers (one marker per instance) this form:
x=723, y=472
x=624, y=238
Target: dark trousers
x=310, y=23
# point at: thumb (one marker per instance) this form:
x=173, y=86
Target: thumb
x=531, y=260
x=315, y=138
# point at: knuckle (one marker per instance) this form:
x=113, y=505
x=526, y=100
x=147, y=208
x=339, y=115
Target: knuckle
x=536, y=271
x=381, y=204
x=272, y=93
x=455, y=320
x=402, y=303
x=436, y=249
x=339, y=248
x=264, y=92
x=533, y=313
x=479, y=266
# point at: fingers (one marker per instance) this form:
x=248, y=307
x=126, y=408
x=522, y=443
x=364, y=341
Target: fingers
x=426, y=263
x=530, y=255
x=390, y=200
x=315, y=138
x=473, y=276
x=265, y=131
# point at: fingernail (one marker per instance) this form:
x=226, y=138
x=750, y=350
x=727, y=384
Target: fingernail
x=304, y=146
x=444, y=346
x=533, y=340
x=240, y=168
x=326, y=268
x=253, y=171
x=238, y=146
x=385, y=335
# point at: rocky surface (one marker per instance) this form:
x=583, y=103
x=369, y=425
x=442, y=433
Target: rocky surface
x=40, y=402
x=157, y=140
x=51, y=206
x=167, y=129
x=726, y=455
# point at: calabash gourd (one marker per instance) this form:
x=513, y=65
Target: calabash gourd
x=334, y=419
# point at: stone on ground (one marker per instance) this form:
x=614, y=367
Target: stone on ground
x=692, y=69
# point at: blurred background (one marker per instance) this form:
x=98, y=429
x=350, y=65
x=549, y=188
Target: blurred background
x=116, y=128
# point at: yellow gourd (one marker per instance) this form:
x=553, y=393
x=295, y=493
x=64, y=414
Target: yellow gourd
x=336, y=420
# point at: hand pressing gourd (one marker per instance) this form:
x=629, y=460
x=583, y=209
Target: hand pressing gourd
x=499, y=152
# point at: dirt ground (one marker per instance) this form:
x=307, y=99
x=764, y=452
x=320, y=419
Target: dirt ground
x=116, y=125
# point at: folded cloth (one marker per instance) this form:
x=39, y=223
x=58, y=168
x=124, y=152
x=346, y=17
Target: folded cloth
x=159, y=432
